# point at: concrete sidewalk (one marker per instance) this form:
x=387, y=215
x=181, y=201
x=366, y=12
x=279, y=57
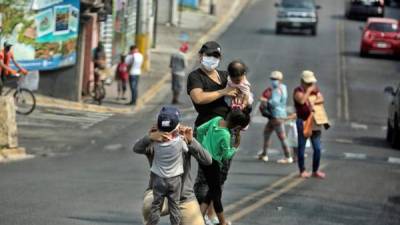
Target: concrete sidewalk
x=200, y=27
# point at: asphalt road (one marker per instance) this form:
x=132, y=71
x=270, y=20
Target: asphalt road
x=84, y=171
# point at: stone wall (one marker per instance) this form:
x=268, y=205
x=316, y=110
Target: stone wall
x=8, y=125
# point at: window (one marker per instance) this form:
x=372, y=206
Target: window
x=383, y=27
x=308, y=4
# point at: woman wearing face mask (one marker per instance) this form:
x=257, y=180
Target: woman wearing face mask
x=206, y=85
x=277, y=100
x=207, y=88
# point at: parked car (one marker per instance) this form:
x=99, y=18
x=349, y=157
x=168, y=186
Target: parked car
x=393, y=122
x=380, y=36
x=365, y=8
x=297, y=14
x=391, y=2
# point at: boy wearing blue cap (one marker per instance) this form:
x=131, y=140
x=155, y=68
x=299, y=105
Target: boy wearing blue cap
x=167, y=166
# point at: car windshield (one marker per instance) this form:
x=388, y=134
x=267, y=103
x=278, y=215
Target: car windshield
x=366, y=2
x=383, y=27
x=308, y=4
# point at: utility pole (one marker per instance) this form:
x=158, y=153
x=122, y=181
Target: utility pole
x=142, y=32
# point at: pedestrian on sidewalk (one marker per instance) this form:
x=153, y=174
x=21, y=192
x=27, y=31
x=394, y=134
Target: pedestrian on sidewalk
x=277, y=101
x=178, y=64
x=304, y=110
x=215, y=136
x=134, y=60
x=122, y=77
x=189, y=207
x=238, y=79
x=167, y=166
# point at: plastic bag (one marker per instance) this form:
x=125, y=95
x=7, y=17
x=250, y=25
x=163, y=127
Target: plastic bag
x=292, y=136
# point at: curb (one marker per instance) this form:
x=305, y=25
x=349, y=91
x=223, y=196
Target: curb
x=13, y=154
x=214, y=32
x=65, y=104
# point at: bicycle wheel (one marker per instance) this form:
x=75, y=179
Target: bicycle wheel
x=25, y=101
x=91, y=88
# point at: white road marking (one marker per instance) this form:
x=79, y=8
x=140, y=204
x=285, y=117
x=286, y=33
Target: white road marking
x=85, y=120
x=349, y=155
x=344, y=141
x=358, y=126
x=394, y=160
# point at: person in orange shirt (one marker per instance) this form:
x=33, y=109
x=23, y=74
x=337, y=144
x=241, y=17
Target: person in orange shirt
x=6, y=55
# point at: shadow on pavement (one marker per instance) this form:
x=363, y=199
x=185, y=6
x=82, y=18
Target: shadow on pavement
x=378, y=142
x=338, y=17
x=108, y=219
x=285, y=32
x=356, y=54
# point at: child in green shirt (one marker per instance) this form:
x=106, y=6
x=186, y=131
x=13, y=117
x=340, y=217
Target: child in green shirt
x=215, y=136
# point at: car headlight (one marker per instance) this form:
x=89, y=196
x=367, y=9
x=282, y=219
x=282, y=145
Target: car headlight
x=311, y=15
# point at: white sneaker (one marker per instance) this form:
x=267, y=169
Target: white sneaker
x=263, y=158
x=207, y=221
x=285, y=160
x=215, y=220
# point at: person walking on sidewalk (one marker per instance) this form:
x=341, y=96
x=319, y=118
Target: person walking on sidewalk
x=167, y=166
x=178, y=64
x=189, y=207
x=277, y=102
x=134, y=60
x=216, y=136
x=122, y=77
x=304, y=110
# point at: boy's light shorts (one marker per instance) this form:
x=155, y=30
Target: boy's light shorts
x=191, y=214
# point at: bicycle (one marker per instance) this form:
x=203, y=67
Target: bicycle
x=97, y=90
x=24, y=99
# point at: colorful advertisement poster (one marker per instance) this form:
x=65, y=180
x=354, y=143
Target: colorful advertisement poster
x=43, y=32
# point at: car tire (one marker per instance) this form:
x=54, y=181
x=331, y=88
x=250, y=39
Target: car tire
x=395, y=140
x=389, y=132
x=278, y=29
x=363, y=53
x=314, y=31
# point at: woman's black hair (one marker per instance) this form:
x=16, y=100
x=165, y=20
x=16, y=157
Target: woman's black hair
x=237, y=68
x=238, y=117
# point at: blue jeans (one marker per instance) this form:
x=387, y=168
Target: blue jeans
x=315, y=142
x=133, y=84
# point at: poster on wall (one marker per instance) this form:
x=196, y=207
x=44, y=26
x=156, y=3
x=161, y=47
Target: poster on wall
x=43, y=32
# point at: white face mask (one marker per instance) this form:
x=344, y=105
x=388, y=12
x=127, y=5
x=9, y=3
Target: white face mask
x=209, y=63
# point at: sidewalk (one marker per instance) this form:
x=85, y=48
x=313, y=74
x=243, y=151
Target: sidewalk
x=198, y=24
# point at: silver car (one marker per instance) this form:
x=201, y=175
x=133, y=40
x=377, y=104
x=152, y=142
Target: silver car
x=297, y=14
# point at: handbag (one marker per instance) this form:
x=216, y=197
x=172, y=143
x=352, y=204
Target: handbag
x=308, y=126
x=265, y=109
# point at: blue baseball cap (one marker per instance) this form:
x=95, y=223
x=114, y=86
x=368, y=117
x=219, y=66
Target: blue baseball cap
x=168, y=119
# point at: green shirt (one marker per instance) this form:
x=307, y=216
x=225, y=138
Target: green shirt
x=216, y=140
